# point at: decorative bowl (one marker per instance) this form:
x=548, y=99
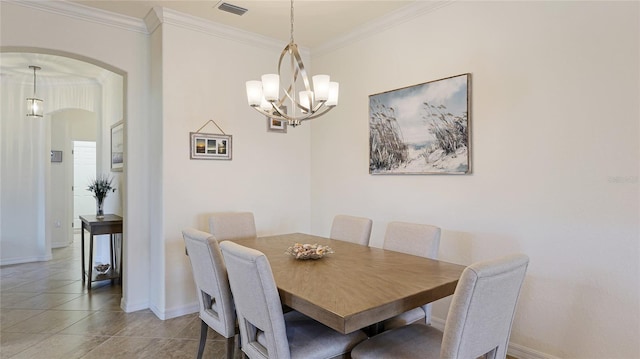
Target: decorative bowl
x=102, y=268
x=308, y=251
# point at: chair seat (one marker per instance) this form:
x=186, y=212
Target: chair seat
x=411, y=341
x=406, y=318
x=313, y=340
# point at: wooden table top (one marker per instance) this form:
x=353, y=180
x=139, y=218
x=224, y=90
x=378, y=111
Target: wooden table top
x=356, y=286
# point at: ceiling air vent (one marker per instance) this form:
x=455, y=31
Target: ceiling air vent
x=232, y=8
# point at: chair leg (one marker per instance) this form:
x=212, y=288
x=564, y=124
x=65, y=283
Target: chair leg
x=203, y=338
x=231, y=347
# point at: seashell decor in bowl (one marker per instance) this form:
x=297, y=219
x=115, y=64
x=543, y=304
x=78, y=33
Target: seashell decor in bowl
x=102, y=268
x=308, y=251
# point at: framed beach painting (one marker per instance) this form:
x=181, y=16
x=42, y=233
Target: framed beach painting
x=421, y=129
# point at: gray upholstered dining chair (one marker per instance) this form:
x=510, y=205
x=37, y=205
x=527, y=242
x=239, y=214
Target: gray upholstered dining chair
x=214, y=294
x=232, y=225
x=420, y=240
x=479, y=320
x=265, y=331
x=351, y=229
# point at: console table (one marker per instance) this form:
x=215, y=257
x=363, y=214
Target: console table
x=111, y=224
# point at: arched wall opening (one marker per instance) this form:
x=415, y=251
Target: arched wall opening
x=69, y=84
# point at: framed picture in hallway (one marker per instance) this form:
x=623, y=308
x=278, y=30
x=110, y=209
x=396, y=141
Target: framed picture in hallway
x=422, y=129
x=117, y=147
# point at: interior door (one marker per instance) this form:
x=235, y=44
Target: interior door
x=84, y=169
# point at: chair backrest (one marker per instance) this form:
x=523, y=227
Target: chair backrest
x=412, y=238
x=257, y=302
x=351, y=229
x=212, y=283
x=483, y=307
x=232, y=225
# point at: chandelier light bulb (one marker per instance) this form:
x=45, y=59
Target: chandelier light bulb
x=271, y=86
x=265, y=105
x=334, y=89
x=306, y=101
x=321, y=87
x=254, y=93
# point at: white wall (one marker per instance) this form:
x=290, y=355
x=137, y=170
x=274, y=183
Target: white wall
x=112, y=112
x=555, y=89
x=24, y=167
x=268, y=173
x=56, y=27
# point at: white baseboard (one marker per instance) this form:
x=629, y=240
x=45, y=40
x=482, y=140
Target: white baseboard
x=521, y=352
x=4, y=262
x=174, y=312
x=514, y=350
x=60, y=245
x=128, y=307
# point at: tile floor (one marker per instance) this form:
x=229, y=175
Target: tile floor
x=46, y=312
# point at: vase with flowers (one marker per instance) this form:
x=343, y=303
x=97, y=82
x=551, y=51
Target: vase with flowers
x=100, y=187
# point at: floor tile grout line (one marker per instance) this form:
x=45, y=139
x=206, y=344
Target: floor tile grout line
x=48, y=310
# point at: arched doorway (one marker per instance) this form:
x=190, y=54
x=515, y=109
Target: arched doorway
x=28, y=217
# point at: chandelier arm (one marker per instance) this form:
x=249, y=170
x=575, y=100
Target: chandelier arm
x=283, y=116
x=288, y=91
x=299, y=70
x=303, y=72
x=318, y=114
x=295, y=103
x=319, y=106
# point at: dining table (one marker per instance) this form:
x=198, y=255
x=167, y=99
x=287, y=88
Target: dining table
x=356, y=286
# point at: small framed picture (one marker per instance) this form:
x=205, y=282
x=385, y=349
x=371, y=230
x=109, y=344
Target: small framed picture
x=56, y=156
x=117, y=147
x=276, y=125
x=208, y=146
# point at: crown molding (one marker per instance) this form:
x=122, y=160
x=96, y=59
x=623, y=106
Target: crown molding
x=78, y=11
x=395, y=18
x=162, y=15
x=152, y=19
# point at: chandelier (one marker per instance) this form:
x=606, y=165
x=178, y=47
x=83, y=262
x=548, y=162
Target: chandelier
x=34, y=104
x=264, y=96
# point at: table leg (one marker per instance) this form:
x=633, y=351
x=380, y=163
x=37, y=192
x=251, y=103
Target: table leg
x=112, y=255
x=90, y=269
x=121, y=237
x=375, y=329
x=82, y=251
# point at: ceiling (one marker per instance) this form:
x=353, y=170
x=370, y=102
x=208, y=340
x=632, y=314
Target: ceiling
x=315, y=21
x=53, y=68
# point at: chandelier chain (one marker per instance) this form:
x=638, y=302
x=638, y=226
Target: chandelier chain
x=291, y=39
x=34, y=81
